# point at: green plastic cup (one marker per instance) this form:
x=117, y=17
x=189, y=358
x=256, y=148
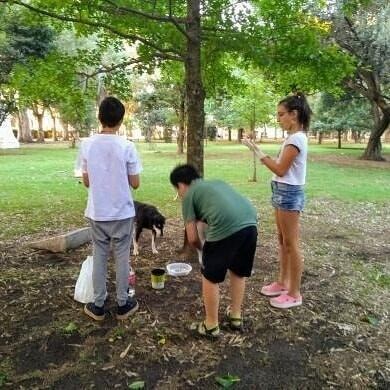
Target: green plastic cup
x=158, y=278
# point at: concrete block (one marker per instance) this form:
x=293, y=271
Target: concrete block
x=65, y=241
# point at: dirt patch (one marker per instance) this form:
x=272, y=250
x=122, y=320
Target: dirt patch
x=339, y=338
x=345, y=160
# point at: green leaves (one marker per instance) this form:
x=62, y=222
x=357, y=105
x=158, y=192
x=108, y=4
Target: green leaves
x=3, y=379
x=70, y=328
x=137, y=385
x=346, y=112
x=371, y=320
x=227, y=381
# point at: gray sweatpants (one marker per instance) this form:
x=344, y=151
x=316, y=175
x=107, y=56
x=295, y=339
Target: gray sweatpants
x=120, y=234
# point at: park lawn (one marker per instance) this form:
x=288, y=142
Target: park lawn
x=39, y=193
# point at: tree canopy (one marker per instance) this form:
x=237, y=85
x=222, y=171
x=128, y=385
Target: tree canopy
x=284, y=39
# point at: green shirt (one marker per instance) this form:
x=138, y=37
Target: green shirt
x=220, y=206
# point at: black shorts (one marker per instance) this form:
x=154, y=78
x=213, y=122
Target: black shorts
x=234, y=253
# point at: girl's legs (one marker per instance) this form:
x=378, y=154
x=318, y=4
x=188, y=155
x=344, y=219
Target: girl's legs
x=289, y=226
x=282, y=253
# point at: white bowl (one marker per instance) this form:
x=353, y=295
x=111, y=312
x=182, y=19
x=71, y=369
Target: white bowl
x=178, y=269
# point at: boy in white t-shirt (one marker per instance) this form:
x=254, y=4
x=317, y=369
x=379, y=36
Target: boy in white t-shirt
x=110, y=166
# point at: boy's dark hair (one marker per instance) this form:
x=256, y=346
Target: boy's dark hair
x=184, y=173
x=298, y=102
x=111, y=112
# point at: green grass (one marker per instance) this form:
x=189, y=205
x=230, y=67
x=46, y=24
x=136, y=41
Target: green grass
x=38, y=191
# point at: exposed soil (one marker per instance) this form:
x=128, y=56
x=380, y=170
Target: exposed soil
x=339, y=337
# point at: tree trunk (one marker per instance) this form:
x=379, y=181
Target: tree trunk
x=182, y=116
x=253, y=136
x=240, y=133
x=380, y=109
x=195, y=93
x=320, y=134
x=254, y=176
x=373, y=150
x=229, y=133
x=74, y=136
x=53, y=117
x=339, y=132
x=41, y=134
x=356, y=136
x=24, y=126
x=65, y=127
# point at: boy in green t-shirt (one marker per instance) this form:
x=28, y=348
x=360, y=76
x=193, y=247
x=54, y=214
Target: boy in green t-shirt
x=230, y=245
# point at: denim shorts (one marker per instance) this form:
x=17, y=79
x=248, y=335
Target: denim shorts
x=287, y=196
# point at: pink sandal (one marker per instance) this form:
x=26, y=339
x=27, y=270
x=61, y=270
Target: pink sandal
x=274, y=289
x=286, y=301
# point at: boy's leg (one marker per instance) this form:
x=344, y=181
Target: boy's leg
x=101, y=251
x=210, y=293
x=237, y=290
x=243, y=249
x=121, y=237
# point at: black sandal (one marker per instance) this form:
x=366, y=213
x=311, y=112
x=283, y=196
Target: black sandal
x=233, y=322
x=199, y=329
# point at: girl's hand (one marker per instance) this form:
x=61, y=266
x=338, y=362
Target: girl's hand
x=253, y=147
x=247, y=142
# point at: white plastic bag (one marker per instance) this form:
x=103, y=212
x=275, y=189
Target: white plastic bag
x=83, y=291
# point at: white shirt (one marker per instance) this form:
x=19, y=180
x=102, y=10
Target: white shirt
x=109, y=159
x=296, y=174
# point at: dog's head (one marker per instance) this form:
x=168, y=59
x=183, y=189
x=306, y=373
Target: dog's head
x=158, y=224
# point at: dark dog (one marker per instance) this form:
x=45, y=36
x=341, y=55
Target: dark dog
x=147, y=217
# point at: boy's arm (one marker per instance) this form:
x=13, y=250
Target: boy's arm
x=134, y=181
x=86, y=179
x=133, y=166
x=83, y=164
x=192, y=235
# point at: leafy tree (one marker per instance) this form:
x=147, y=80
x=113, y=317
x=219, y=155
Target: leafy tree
x=348, y=112
x=171, y=90
x=294, y=52
x=362, y=30
x=256, y=104
x=150, y=113
x=18, y=44
x=261, y=30
x=46, y=83
x=251, y=106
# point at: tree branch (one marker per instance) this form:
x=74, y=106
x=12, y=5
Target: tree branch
x=159, y=18
x=165, y=19
x=175, y=22
x=108, y=69
x=354, y=32
x=164, y=53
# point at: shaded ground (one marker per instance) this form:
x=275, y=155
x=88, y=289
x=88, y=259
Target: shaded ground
x=339, y=338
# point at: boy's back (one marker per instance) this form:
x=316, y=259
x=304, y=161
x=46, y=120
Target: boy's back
x=110, y=165
x=109, y=159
